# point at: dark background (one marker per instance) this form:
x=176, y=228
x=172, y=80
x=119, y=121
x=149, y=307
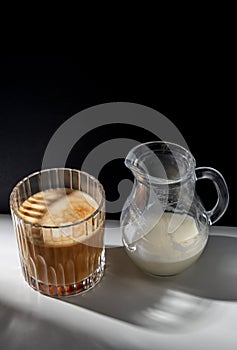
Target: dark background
x=38, y=93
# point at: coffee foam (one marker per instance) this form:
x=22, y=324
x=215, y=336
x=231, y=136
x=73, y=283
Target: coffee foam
x=56, y=207
x=57, y=212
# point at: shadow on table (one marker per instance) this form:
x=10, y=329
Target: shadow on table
x=20, y=330
x=168, y=303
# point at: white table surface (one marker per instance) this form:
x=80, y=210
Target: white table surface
x=127, y=309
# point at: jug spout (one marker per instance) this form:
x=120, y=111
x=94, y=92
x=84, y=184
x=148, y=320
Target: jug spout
x=146, y=164
x=131, y=161
x=134, y=162
x=160, y=162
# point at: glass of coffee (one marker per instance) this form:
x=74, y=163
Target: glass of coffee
x=58, y=216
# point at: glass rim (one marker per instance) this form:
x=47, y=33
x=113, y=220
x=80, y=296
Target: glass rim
x=12, y=194
x=129, y=162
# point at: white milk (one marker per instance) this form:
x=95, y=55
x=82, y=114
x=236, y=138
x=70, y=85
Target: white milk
x=170, y=246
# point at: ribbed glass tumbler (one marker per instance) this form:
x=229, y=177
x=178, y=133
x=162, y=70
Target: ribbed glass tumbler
x=58, y=216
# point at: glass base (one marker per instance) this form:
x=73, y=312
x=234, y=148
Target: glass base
x=67, y=289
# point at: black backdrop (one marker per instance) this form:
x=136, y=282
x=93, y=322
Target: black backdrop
x=38, y=93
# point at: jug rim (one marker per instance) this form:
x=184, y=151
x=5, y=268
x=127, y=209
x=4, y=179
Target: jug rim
x=131, y=162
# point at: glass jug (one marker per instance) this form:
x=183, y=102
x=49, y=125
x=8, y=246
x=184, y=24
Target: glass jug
x=164, y=223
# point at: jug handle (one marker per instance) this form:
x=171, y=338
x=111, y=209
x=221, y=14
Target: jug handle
x=221, y=189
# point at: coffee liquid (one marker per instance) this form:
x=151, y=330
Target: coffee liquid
x=61, y=249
